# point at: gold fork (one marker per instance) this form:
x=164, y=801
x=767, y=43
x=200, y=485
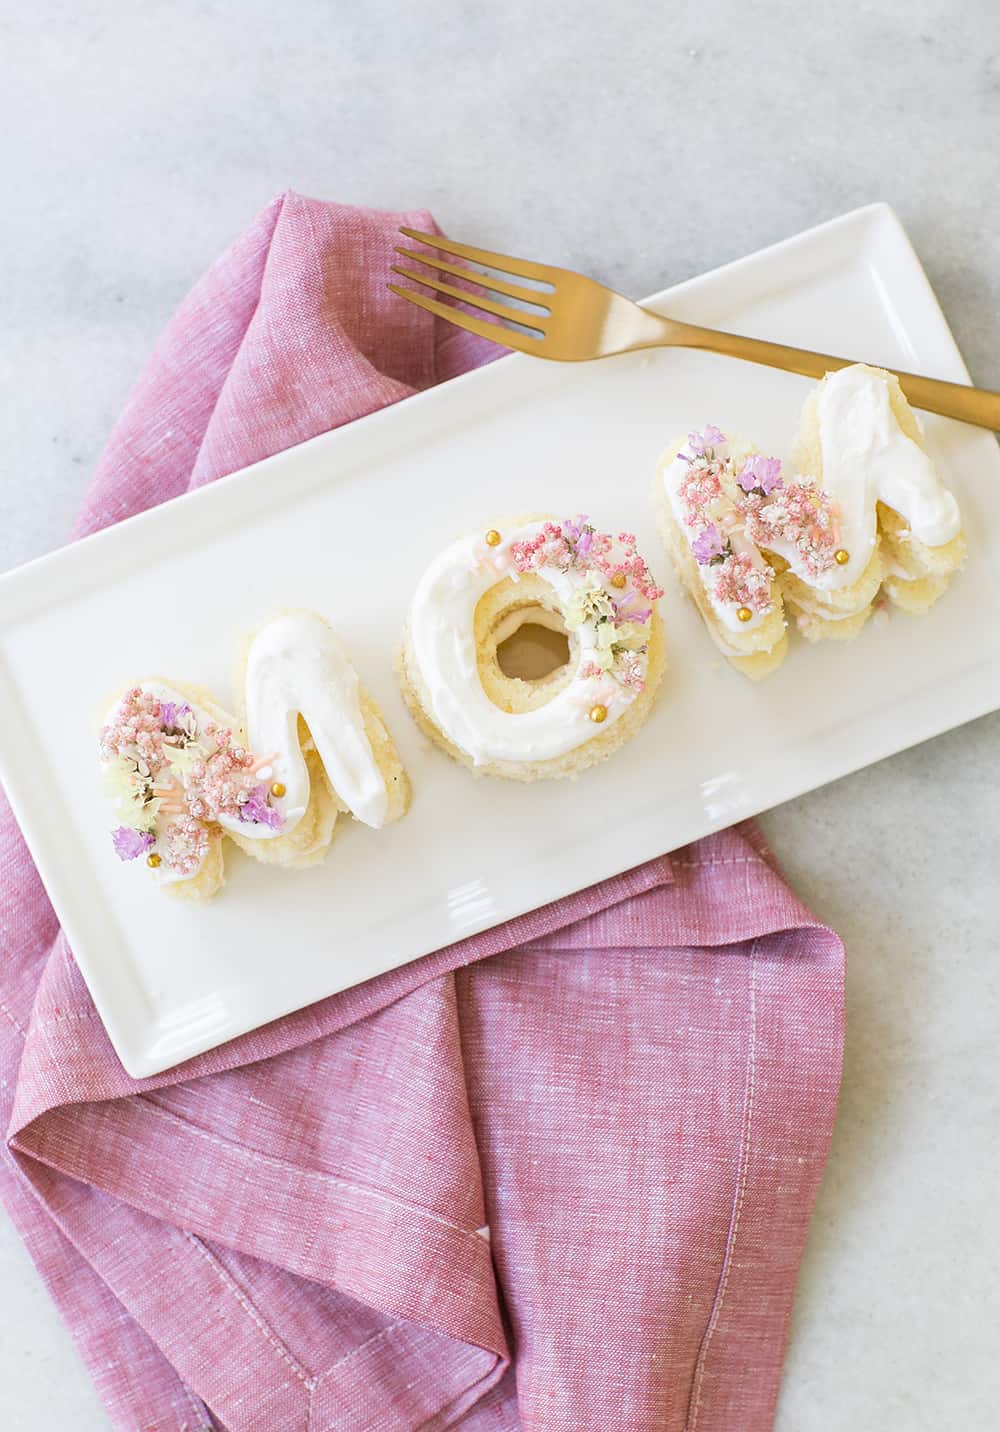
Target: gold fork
x=573, y=318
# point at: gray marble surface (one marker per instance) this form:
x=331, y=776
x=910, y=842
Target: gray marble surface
x=642, y=144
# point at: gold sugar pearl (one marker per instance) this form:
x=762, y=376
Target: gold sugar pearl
x=619, y=580
x=841, y=556
x=744, y=614
x=277, y=790
x=153, y=860
x=598, y=714
x=493, y=538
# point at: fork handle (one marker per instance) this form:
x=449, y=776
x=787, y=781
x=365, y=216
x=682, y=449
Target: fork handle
x=979, y=406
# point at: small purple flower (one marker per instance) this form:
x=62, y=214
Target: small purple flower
x=172, y=713
x=761, y=473
x=256, y=808
x=626, y=612
x=699, y=443
x=129, y=844
x=708, y=545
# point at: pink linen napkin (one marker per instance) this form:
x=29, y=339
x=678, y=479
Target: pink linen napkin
x=557, y=1176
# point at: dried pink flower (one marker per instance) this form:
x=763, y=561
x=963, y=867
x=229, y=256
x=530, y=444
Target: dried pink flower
x=144, y=737
x=741, y=583
x=700, y=488
x=575, y=543
x=804, y=515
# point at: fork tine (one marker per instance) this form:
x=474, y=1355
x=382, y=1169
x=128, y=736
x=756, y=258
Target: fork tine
x=474, y=300
x=524, y=268
x=495, y=285
x=495, y=332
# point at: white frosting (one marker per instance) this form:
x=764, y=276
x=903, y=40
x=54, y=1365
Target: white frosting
x=868, y=458
x=297, y=666
x=444, y=651
x=725, y=506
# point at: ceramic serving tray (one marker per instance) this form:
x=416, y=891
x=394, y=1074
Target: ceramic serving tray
x=345, y=524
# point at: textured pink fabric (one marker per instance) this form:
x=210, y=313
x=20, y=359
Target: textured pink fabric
x=556, y=1177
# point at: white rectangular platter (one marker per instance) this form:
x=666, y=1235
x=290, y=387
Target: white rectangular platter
x=344, y=525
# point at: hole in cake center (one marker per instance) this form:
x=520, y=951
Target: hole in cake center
x=532, y=644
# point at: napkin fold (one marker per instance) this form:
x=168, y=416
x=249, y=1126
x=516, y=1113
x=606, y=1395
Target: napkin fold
x=557, y=1176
